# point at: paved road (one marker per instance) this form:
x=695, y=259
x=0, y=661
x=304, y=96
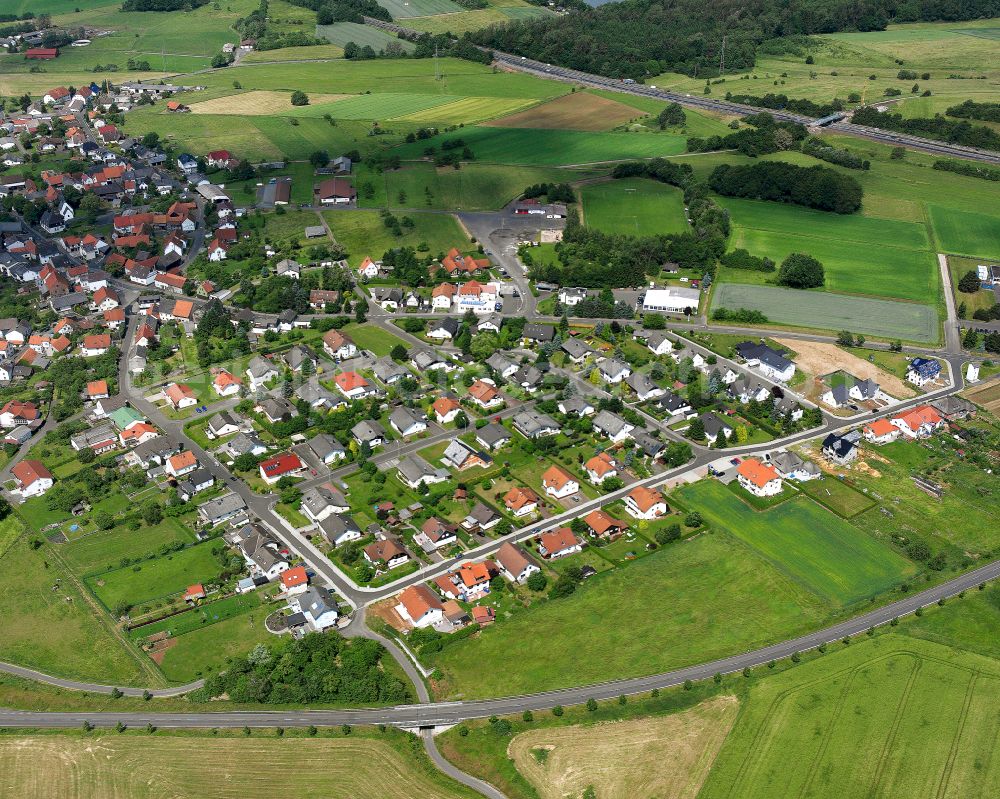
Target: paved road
x=446, y=713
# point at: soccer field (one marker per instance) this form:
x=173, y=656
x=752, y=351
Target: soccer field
x=814, y=547
x=826, y=311
x=634, y=206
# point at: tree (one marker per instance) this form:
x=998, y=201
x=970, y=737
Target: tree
x=104, y=520
x=801, y=271
x=86, y=455
x=300, y=98
x=245, y=462
x=971, y=339
x=696, y=430
x=845, y=338
x=537, y=581
x=319, y=158
x=969, y=282
x=152, y=513
x=667, y=535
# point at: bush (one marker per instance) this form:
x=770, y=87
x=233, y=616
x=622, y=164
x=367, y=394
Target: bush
x=300, y=98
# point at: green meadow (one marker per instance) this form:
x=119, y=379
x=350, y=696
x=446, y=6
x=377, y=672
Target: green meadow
x=363, y=233
x=634, y=206
x=815, y=548
x=965, y=232
x=341, y=33
x=682, y=614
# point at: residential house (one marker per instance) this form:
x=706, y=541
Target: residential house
x=95, y=344
x=790, y=466
x=501, y=365
x=645, y=503
x=558, y=543
x=534, y=424
x=538, y=333
x=225, y=424
x=521, y=501
x=481, y=518
x=493, y=436
x=322, y=501
x=339, y=528
x=181, y=463
x=714, y=426
x=601, y=467
x=840, y=449
x=435, y=534
x=276, y=409
x=515, y=564
x=770, y=362
x=420, y=607
x=317, y=606
x=880, y=431
x=33, y=479
x=446, y=409
x=226, y=384
x=571, y=297
x=385, y=553
x=352, y=385
x=339, y=346
x=369, y=432
x=194, y=483
x=577, y=351
x=294, y=581
x=442, y=296
x=614, y=371
x=867, y=391
x=180, y=396
x=759, y=478
x=221, y=509
x=285, y=464
x=443, y=329
x=644, y=388
x=576, y=406
x=407, y=422
x=326, y=449
x=922, y=371
x=485, y=395
x=260, y=371
x=613, y=426
x=658, y=343
x=558, y=483
x=459, y=455
x=603, y=525
x=414, y=470
x=16, y=412
x=919, y=422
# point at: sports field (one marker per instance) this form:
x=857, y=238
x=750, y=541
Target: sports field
x=576, y=111
x=814, y=547
x=825, y=311
x=966, y=233
x=683, y=614
x=107, y=766
x=634, y=206
x=341, y=33
x=860, y=254
x=889, y=717
x=665, y=756
x=153, y=579
x=554, y=147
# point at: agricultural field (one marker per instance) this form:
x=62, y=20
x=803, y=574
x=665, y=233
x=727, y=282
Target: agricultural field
x=466, y=110
x=699, y=581
x=634, y=206
x=820, y=310
x=404, y=9
x=987, y=396
x=665, y=756
x=837, y=496
x=364, y=234
x=861, y=255
x=816, y=549
x=341, y=33
x=458, y=24
x=366, y=765
x=576, y=111
x=555, y=147
x=256, y=103
x=887, y=717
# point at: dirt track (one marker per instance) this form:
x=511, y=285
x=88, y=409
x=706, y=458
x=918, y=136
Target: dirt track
x=666, y=757
x=816, y=359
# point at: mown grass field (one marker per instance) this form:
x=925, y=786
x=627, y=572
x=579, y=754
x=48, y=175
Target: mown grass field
x=837, y=496
x=554, y=147
x=226, y=766
x=860, y=254
x=576, y=111
x=256, y=103
x=821, y=310
x=460, y=23
x=818, y=550
x=104, y=550
x=634, y=206
x=403, y=9
x=466, y=110
x=341, y=33
x=317, y=52
x=683, y=614
x=887, y=717
x=156, y=578
x=369, y=337
x=48, y=624
x=364, y=234
x=966, y=233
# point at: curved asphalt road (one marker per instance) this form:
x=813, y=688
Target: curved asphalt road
x=428, y=715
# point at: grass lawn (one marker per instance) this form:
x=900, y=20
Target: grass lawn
x=55, y=631
x=372, y=338
x=364, y=233
x=553, y=147
x=341, y=33
x=101, y=551
x=201, y=651
x=634, y=206
x=886, y=717
x=984, y=298
x=627, y=632
x=829, y=557
x=820, y=310
x=837, y=495
x=156, y=578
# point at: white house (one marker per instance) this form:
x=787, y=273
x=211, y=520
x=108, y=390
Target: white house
x=33, y=479
x=759, y=478
x=645, y=503
x=420, y=606
x=558, y=483
x=671, y=300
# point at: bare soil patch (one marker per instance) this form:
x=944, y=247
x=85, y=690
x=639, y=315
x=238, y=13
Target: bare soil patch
x=987, y=396
x=158, y=650
x=666, y=757
x=817, y=359
x=577, y=111
x=257, y=103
